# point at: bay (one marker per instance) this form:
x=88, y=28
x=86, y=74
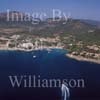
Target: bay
x=50, y=65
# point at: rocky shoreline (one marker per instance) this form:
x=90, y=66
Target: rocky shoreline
x=80, y=58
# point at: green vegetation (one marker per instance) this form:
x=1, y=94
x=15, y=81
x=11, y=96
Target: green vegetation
x=75, y=35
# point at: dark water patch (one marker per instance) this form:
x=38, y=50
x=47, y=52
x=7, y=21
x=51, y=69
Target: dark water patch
x=53, y=64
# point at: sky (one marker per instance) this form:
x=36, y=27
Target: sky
x=80, y=9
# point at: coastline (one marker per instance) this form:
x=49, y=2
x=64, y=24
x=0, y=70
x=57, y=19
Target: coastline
x=80, y=58
x=28, y=50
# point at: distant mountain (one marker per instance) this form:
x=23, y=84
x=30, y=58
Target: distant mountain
x=49, y=26
x=82, y=30
x=16, y=19
x=92, y=22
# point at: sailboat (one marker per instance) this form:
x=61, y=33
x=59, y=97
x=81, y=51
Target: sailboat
x=65, y=92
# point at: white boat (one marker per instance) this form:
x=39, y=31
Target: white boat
x=65, y=92
x=34, y=56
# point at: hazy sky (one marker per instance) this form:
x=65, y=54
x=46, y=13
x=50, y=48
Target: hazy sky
x=84, y=9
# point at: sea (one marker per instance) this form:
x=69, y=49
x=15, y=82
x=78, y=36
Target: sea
x=52, y=64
